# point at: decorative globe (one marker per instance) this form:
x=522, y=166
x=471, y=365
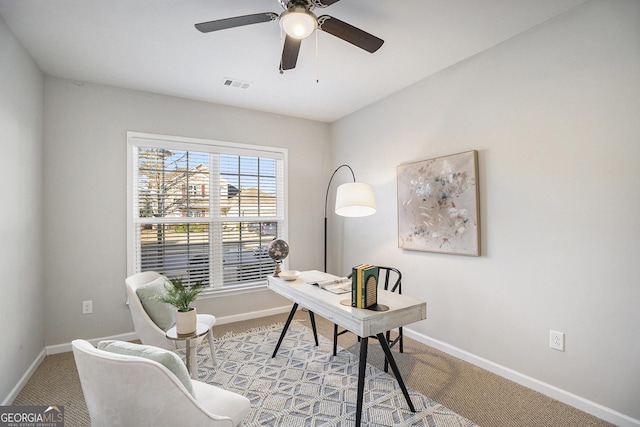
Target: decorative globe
x=278, y=250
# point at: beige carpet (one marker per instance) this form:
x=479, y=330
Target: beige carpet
x=482, y=397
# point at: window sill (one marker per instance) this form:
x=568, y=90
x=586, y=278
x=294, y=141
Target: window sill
x=218, y=292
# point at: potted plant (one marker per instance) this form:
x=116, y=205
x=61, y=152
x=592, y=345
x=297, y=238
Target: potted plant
x=181, y=296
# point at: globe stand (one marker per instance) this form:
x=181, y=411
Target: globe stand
x=277, y=273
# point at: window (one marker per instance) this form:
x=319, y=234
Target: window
x=204, y=210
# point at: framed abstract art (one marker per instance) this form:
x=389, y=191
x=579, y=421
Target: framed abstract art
x=438, y=205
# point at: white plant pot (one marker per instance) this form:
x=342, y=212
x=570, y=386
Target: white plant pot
x=186, y=321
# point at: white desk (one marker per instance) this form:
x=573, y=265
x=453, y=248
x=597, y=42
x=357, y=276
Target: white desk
x=403, y=310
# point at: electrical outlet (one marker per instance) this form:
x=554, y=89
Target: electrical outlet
x=87, y=307
x=556, y=340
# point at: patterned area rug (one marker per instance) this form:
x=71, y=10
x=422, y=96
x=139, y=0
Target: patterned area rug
x=305, y=385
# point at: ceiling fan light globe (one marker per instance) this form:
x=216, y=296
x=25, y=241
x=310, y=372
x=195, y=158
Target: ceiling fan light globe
x=298, y=23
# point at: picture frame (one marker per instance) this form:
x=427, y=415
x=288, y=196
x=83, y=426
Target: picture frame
x=438, y=208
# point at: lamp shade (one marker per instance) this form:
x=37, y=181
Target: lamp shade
x=298, y=22
x=355, y=199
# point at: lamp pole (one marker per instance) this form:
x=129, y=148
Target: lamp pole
x=326, y=198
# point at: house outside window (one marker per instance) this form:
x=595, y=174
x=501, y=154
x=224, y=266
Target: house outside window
x=203, y=210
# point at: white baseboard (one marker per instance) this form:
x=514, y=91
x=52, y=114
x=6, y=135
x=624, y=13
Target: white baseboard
x=130, y=336
x=66, y=347
x=556, y=393
x=252, y=315
x=24, y=379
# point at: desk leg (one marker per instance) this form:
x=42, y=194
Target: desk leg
x=392, y=362
x=286, y=326
x=313, y=326
x=362, y=369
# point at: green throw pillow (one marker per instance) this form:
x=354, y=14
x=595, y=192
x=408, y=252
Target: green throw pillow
x=162, y=314
x=165, y=357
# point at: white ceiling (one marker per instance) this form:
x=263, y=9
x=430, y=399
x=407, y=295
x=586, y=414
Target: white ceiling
x=152, y=45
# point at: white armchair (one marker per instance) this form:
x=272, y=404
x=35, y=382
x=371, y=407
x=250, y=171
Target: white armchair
x=125, y=390
x=150, y=334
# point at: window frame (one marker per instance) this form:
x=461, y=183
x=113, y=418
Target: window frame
x=142, y=139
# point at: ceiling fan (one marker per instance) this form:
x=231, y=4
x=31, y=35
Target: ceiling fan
x=298, y=22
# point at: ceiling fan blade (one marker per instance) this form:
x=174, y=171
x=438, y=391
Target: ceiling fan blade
x=238, y=21
x=324, y=3
x=290, y=53
x=349, y=33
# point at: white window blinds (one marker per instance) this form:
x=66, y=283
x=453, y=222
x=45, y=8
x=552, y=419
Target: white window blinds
x=204, y=211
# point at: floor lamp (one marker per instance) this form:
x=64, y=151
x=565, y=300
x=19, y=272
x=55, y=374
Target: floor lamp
x=353, y=199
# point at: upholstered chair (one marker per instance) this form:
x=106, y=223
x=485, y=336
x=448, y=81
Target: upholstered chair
x=128, y=384
x=141, y=288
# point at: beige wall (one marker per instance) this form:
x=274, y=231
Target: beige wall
x=554, y=114
x=86, y=186
x=23, y=297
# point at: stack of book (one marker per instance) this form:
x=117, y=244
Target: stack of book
x=364, y=286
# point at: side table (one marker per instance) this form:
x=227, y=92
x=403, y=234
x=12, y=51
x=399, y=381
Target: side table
x=201, y=330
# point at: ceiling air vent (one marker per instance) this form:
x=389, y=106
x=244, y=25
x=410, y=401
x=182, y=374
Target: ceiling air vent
x=238, y=84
